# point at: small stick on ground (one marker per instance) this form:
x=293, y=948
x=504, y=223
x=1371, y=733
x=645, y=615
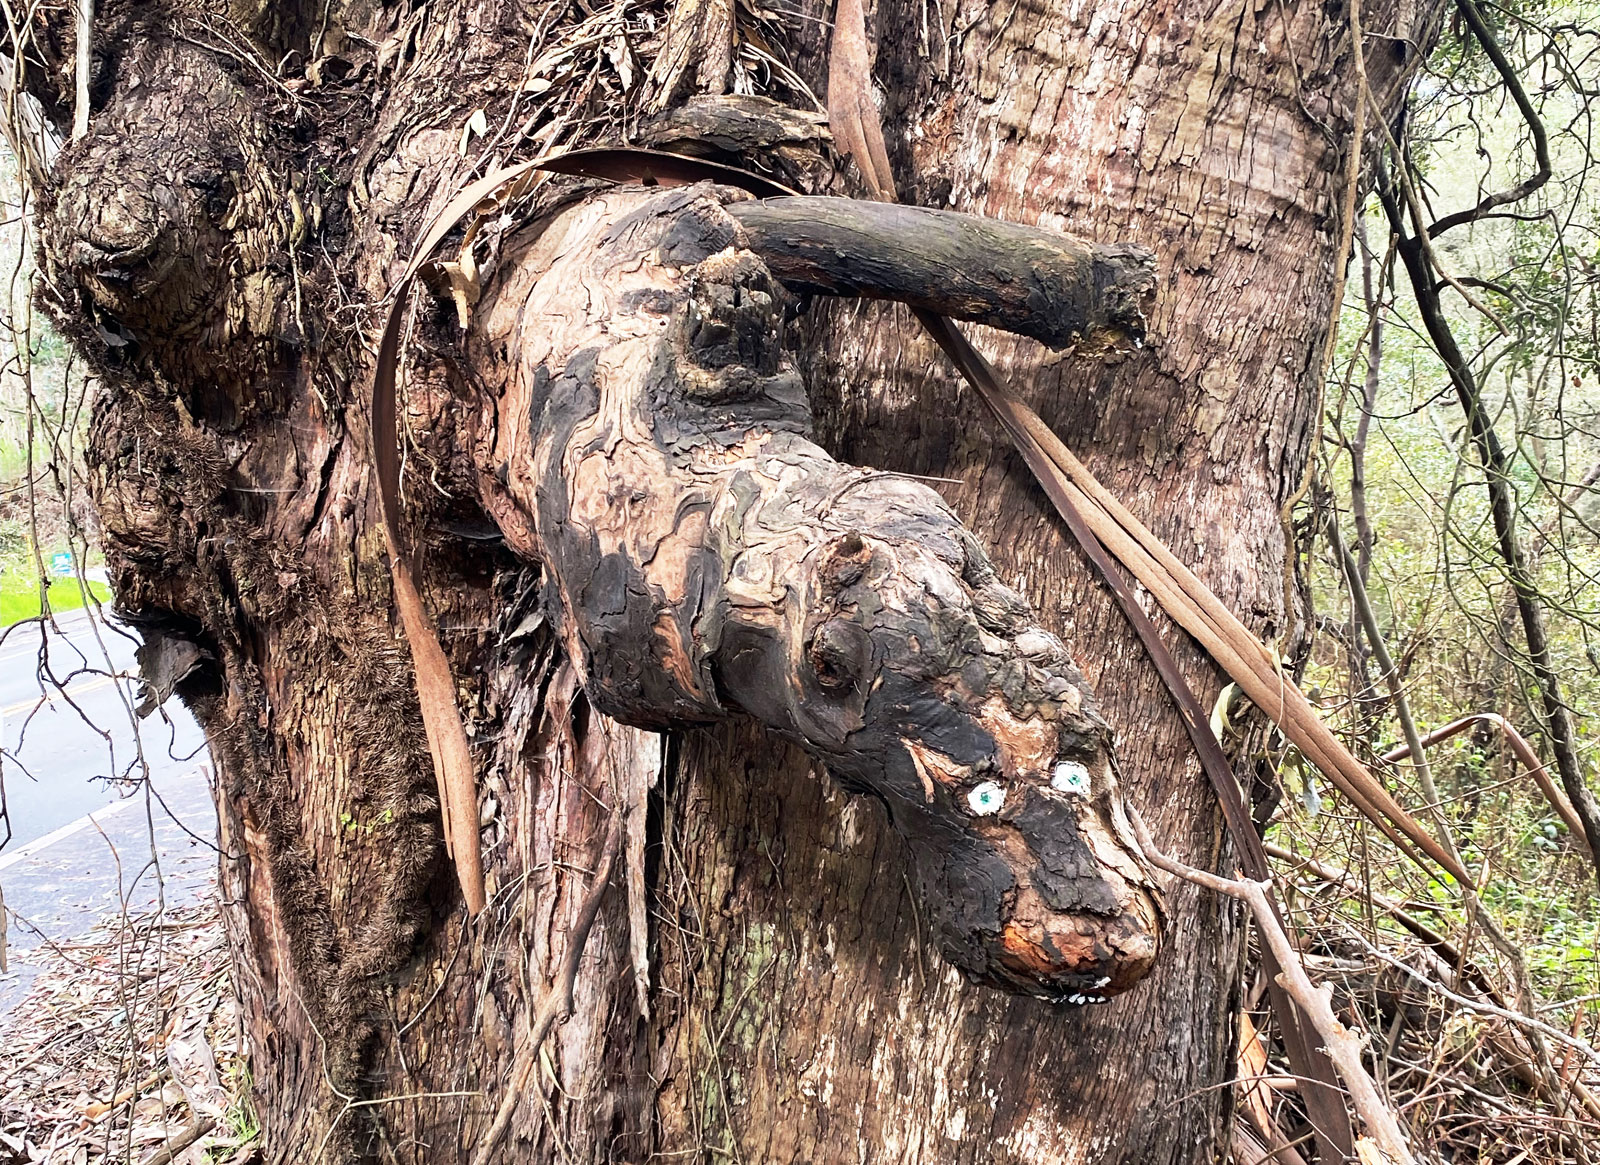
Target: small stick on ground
x=168, y=1153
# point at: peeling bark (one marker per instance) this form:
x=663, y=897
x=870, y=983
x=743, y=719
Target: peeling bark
x=697, y=54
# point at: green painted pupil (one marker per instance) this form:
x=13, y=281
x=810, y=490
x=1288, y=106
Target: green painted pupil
x=1070, y=777
x=987, y=798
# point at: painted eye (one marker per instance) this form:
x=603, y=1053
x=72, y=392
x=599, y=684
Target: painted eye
x=986, y=799
x=1070, y=777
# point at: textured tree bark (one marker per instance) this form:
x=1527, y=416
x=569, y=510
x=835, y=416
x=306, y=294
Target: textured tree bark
x=705, y=556
x=762, y=982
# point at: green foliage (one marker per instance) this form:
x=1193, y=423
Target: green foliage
x=239, y=1125
x=1521, y=293
x=19, y=596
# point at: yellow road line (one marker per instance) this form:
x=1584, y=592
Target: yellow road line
x=74, y=692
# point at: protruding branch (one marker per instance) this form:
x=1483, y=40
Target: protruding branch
x=1048, y=286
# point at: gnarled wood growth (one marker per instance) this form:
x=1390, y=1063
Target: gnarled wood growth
x=706, y=556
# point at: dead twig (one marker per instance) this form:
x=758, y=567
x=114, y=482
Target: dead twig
x=168, y=1152
x=1524, y=752
x=1343, y=1046
x=80, y=108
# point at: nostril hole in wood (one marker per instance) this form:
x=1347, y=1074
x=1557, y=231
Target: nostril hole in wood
x=838, y=654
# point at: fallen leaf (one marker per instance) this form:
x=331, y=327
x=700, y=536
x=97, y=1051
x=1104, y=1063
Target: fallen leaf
x=477, y=125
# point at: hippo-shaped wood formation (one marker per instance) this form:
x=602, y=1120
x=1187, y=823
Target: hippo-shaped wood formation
x=647, y=439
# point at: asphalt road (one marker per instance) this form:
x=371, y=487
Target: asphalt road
x=67, y=750
x=106, y=812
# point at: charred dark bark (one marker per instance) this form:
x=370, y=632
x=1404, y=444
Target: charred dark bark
x=746, y=130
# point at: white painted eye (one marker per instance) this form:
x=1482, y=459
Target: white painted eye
x=986, y=799
x=1070, y=777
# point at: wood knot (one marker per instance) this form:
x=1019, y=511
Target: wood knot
x=846, y=562
x=731, y=315
x=839, y=652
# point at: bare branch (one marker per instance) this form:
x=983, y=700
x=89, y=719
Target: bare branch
x=1041, y=284
x=1342, y=1046
x=1541, y=146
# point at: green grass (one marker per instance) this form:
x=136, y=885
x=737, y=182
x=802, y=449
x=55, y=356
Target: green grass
x=19, y=596
x=239, y=1122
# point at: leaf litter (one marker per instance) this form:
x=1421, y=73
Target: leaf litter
x=128, y=1048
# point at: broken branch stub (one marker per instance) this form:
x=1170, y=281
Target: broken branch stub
x=1050, y=287
x=650, y=444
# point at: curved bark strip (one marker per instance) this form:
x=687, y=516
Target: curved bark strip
x=707, y=559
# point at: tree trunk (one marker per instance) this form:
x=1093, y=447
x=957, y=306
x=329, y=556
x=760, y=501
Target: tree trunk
x=778, y=973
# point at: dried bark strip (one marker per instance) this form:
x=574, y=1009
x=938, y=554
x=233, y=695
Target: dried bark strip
x=1191, y=604
x=852, y=113
x=436, y=691
x=1344, y=1047
x=1525, y=753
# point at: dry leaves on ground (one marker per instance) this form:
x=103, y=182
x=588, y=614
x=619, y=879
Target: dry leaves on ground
x=127, y=1049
